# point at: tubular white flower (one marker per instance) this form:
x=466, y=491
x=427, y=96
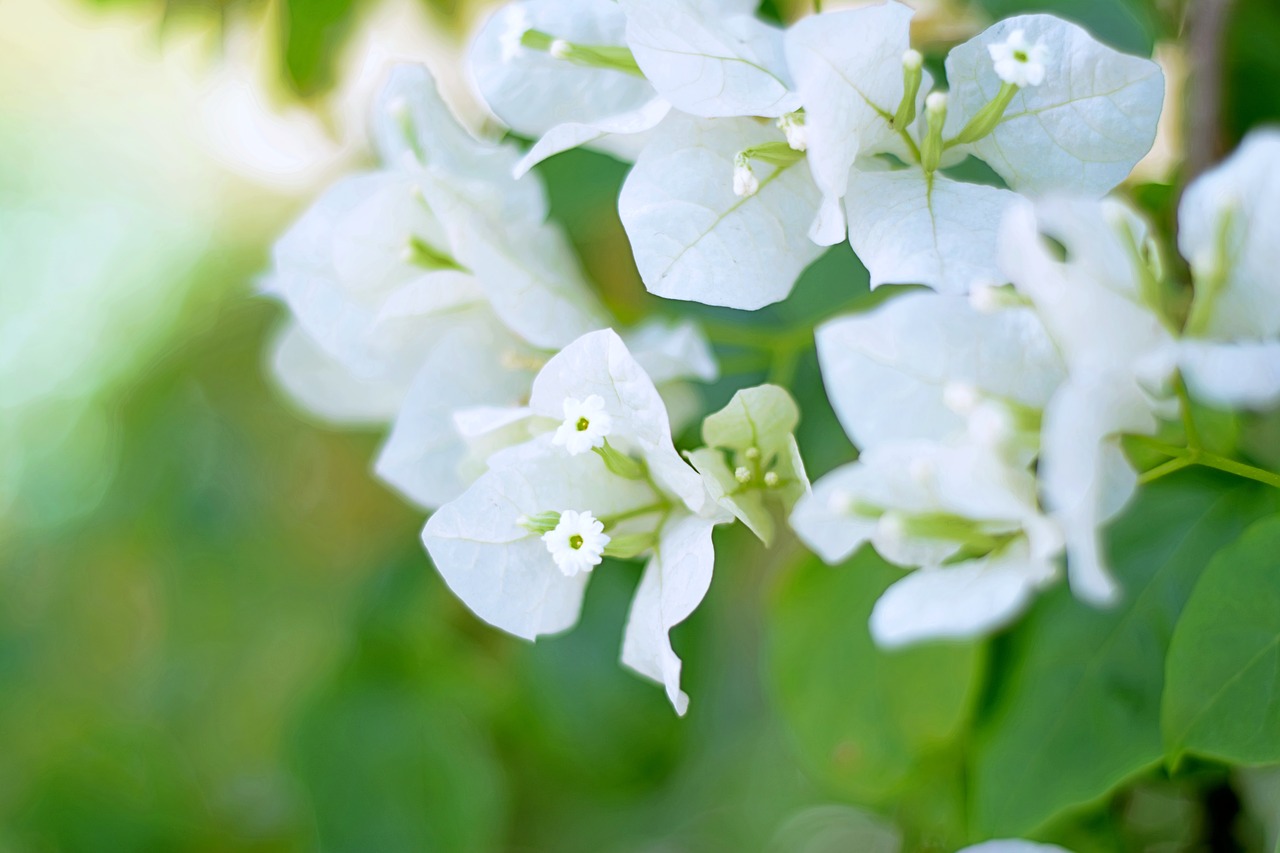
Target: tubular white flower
x=1018, y=61
x=577, y=543
x=745, y=182
x=792, y=126
x=586, y=423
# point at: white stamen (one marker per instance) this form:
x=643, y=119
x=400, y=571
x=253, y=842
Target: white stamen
x=577, y=543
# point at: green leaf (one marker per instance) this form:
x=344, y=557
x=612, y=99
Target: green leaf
x=867, y=722
x=391, y=769
x=313, y=33
x=1074, y=708
x=1222, y=690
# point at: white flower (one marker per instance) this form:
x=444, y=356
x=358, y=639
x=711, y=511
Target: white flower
x=577, y=543
x=792, y=126
x=507, y=574
x=1017, y=61
x=515, y=23
x=585, y=425
x=699, y=236
x=745, y=182
x=921, y=365
x=1046, y=141
x=933, y=505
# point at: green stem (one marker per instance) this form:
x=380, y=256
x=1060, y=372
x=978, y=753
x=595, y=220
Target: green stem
x=610, y=520
x=1187, y=456
x=1184, y=407
x=1163, y=469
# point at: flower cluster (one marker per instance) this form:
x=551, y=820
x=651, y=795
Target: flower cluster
x=718, y=108
x=988, y=409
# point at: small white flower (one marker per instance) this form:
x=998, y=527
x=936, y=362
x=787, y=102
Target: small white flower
x=991, y=425
x=577, y=543
x=1019, y=62
x=515, y=25
x=585, y=426
x=792, y=124
x=961, y=397
x=745, y=182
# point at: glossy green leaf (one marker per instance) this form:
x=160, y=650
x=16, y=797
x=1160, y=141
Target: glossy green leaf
x=865, y=720
x=1222, y=689
x=1075, y=705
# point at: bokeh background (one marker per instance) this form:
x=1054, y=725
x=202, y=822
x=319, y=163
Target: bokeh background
x=219, y=632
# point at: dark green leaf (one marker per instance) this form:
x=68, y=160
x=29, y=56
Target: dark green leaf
x=1074, y=708
x=1222, y=690
x=866, y=721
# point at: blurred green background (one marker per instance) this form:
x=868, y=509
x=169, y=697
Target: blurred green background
x=219, y=632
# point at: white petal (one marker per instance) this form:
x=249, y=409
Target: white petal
x=1013, y=845
x=694, y=239
x=535, y=92
x=958, y=601
x=707, y=63
x=848, y=73
x=527, y=271
x=341, y=262
x=1245, y=187
x=674, y=584
x=563, y=137
x=476, y=361
x=672, y=350
x=1245, y=375
x=412, y=124
x=1082, y=129
x=1085, y=478
x=824, y=520
x=1090, y=303
x=325, y=388
x=940, y=233
x=500, y=570
x=599, y=363
x=886, y=371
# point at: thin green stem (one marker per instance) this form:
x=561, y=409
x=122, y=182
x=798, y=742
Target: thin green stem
x=1188, y=419
x=1183, y=457
x=649, y=509
x=1164, y=469
x=1240, y=469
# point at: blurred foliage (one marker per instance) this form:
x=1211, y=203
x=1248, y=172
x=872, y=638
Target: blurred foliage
x=243, y=646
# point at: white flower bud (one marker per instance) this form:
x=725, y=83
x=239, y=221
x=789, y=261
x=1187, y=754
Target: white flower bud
x=559, y=48
x=792, y=125
x=961, y=397
x=935, y=102
x=742, y=474
x=913, y=60
x=771, y=479
x=745, y=182
x=752, y=453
